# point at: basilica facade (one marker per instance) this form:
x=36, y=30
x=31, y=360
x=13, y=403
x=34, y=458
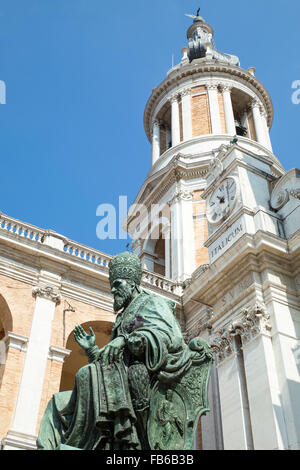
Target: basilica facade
x=216, y=225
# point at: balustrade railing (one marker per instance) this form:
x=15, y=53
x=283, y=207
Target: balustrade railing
x=81, y=252
x=87, y=254
x=25, y=230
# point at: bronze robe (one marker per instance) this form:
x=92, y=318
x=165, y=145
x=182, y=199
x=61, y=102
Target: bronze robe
x=98, y=412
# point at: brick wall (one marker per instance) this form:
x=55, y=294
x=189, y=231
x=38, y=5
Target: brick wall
x=200, y=112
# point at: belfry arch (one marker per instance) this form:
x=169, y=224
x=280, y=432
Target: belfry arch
x=78, y=358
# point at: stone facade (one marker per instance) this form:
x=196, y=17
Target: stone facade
x=223, y=242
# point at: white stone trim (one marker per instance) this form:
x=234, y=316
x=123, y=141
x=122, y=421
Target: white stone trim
x=15, y=341
x=18, y=441
x=155, y=141
x=57, y=354
x=175, y=123
x=47, y=292
x=32, y=381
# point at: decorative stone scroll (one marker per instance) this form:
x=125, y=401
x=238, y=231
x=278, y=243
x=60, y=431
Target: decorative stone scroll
x=47, y=292
x=204, y=324
x=252, y=322
x=295, y=193
x=181, y=194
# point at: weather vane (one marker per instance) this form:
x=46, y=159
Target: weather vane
x=194, y=16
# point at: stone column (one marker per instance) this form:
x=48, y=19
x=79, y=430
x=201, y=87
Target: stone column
x=155, y=141
x=258, y=122
x=167, y=254
x=263, y=390
x=186, y=113
x=182, y=235
x=228, y=110
x=175, y=123
x=31, y=386
x=267, y=132
x=214, y=108
x=237, y=433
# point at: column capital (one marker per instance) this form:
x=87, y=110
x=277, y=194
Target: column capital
x=226, y=87
x=222, y=344
x=254, y=103
x=155, y=125
x=253, y=321
x=47, y=292
x=181, y=195
x=173, y=98
x=212, y=86
x=185, y=92
x=264, y=112
x=156, y=122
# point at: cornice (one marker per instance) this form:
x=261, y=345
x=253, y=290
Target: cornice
x=189, y=71
x=177, y=170
x=249, y=324
x=212, y=280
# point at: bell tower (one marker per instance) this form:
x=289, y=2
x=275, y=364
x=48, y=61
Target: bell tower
x=205, y=104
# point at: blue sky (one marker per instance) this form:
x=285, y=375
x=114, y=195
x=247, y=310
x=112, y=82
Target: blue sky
x=78, y=74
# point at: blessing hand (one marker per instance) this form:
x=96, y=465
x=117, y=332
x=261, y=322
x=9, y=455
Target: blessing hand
x=83, y=339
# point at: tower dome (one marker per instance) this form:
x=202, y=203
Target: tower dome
x=205, y=101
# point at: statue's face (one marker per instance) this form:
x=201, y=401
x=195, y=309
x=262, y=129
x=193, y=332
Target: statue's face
x=122, y=292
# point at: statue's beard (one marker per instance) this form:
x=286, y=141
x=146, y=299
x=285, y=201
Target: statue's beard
x=122, y=298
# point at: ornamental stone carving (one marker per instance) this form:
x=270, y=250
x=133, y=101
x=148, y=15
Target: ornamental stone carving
x=205, y=323
x=253, y=321
x=215, y=167
x=222, y=344
x=47, y=292
x=173, y=98
x=185, y=92
x=181, y=194
x=255, y=104
x=212, y=86
x=225, y=87
x=295, y=193
x=279, y=199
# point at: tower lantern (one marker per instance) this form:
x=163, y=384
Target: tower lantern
x=206, y=98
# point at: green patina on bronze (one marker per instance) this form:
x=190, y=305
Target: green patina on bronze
x=146, y=389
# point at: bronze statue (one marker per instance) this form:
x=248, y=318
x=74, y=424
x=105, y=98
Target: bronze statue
x=145, y=383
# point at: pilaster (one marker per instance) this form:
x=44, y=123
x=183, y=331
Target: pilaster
x=31, y=386
x=228, y=110
x=214, y=108
x=186, y=113
x=175, y=123
x=182, y=234
x=155, y=141
x=258, y=122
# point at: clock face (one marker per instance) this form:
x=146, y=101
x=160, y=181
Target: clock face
x=222, y=201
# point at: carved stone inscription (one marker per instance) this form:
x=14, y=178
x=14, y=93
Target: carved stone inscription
x=226, y=240
x=233, y=293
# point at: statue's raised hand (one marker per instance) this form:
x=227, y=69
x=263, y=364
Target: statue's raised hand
x=83, y=339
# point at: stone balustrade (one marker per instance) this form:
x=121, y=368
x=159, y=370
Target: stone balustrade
x=18, y=230
x=14, y=226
